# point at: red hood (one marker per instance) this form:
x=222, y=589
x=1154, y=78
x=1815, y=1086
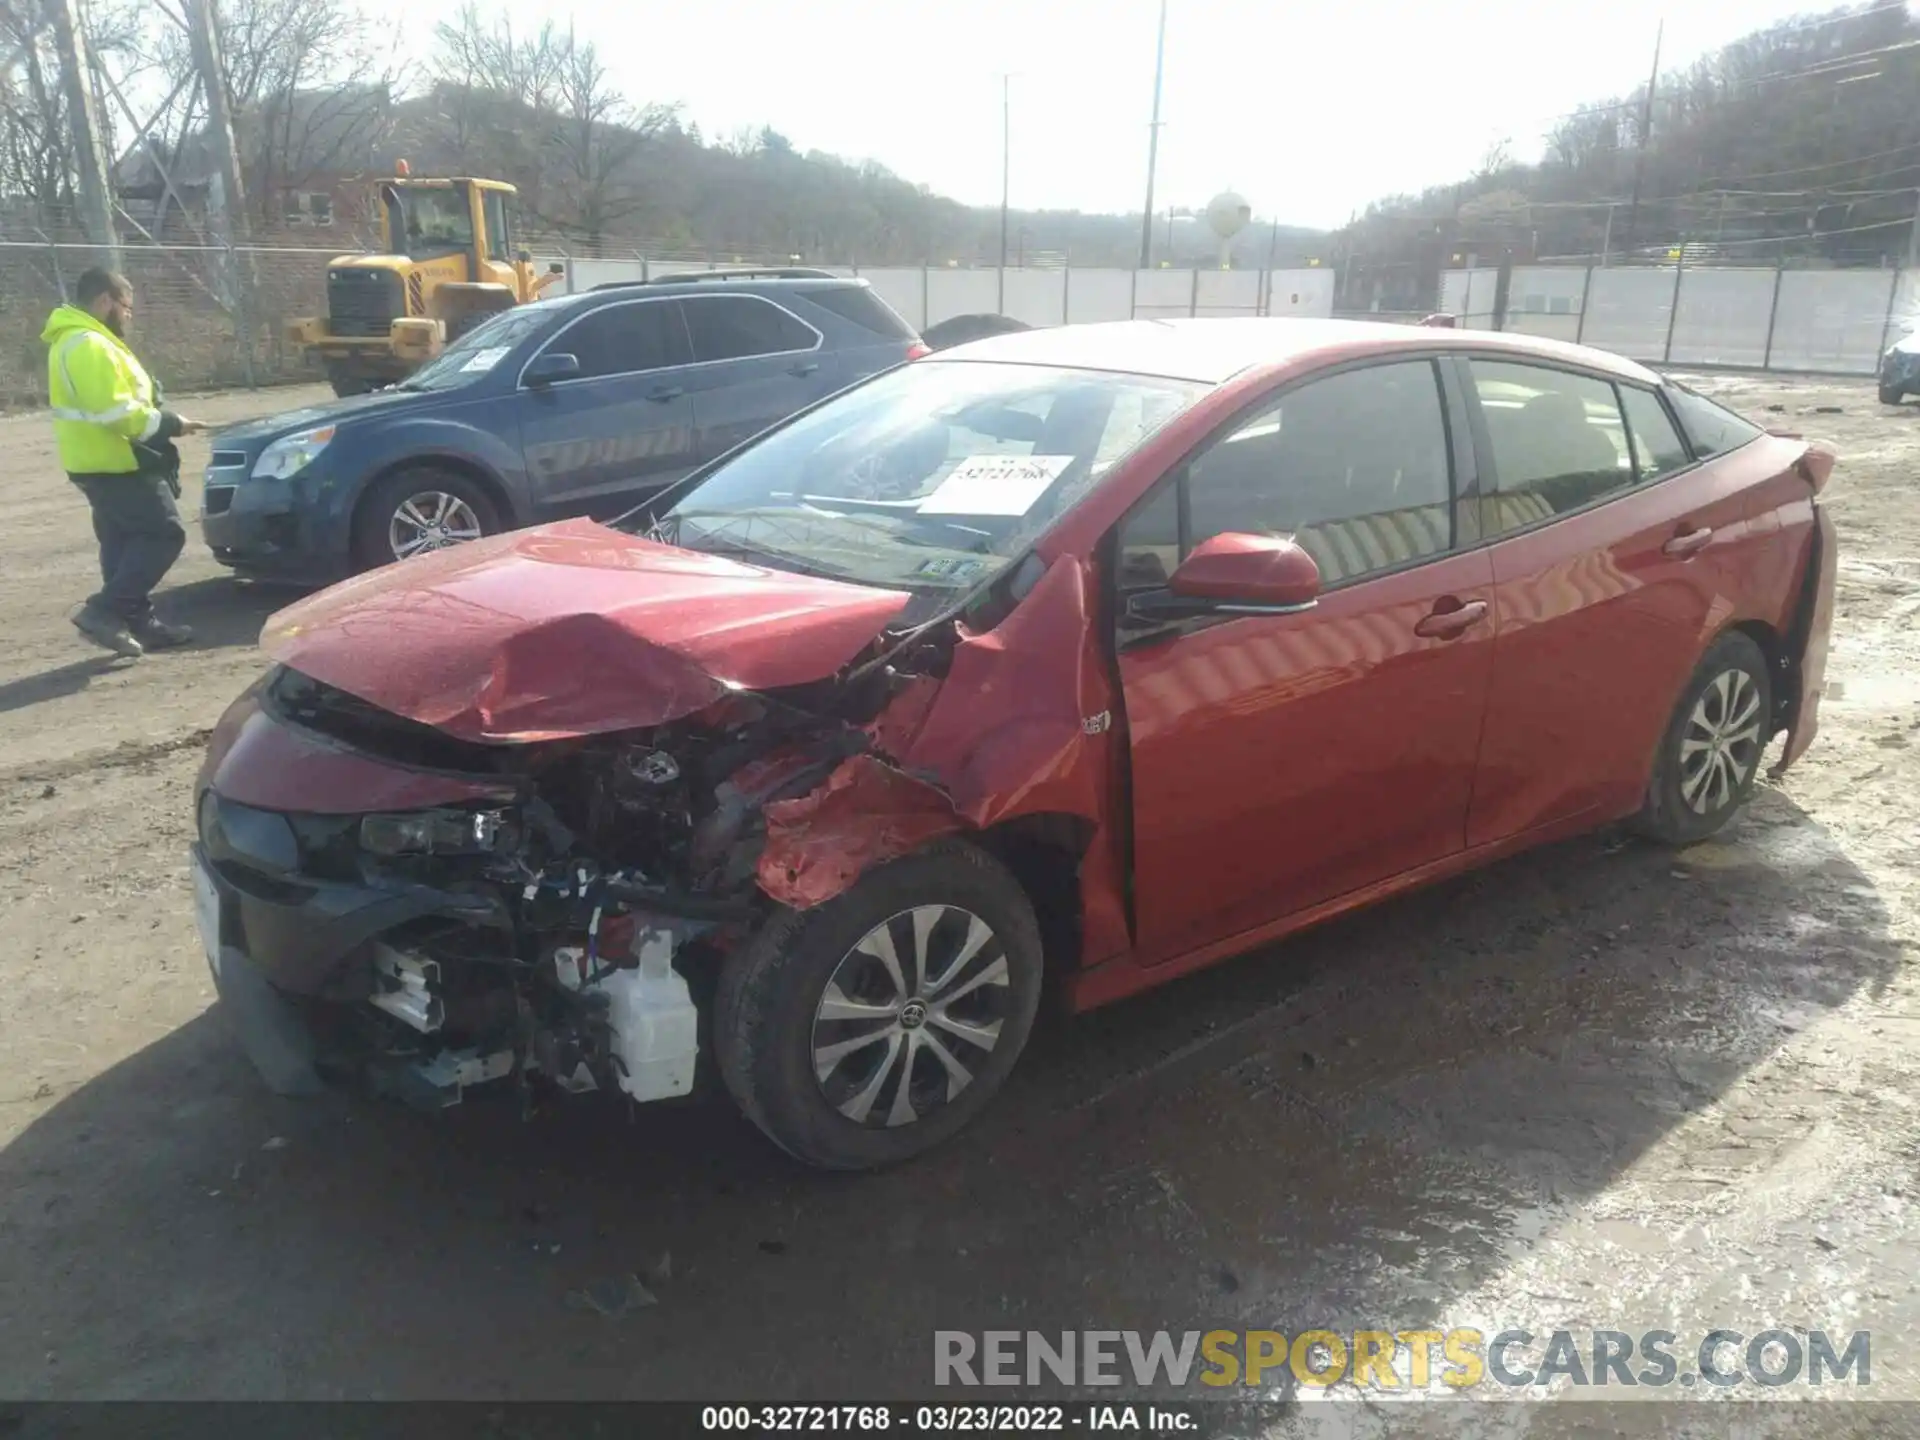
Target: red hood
x=571, y=629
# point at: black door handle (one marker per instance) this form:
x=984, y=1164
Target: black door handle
x=665, y=393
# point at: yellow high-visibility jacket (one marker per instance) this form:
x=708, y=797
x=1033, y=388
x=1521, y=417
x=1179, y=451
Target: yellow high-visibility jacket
x=103, y=398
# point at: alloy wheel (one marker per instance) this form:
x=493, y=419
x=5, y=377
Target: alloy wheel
x=910, y=1015
x=431, y=520
x=1720, y=746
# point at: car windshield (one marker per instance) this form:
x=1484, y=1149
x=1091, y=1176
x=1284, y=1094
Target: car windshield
x=930, y=478
x=479, y=350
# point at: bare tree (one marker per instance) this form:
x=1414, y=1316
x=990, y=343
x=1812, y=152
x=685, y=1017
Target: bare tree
x=596, y=142
x=310, y=84
x=37, y=157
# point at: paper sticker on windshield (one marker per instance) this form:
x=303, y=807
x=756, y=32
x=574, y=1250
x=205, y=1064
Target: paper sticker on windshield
x=486, y=359
x=950, y=567
x=995, y=485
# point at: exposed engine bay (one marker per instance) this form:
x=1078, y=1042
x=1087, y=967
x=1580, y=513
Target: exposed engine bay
x=501, y=872
x=573, y=924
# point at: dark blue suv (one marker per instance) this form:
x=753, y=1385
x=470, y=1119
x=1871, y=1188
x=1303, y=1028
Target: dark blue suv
x=579, y=405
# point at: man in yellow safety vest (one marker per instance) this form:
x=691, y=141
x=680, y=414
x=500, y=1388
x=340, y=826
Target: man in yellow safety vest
x=116, y=444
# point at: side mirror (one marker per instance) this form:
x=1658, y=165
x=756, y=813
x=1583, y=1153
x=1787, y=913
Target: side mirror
x=1234, y=575
x=549, y=369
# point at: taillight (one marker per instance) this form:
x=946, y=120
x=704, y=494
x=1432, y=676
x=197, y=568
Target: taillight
x=919, y=350
x=1815, y=466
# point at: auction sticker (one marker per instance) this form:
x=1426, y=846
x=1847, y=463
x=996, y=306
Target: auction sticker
x=995, y=485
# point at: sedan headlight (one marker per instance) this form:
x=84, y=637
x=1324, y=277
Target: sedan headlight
x=291, y=454
x=437, y=832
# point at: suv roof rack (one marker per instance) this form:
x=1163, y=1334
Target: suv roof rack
x=687, y=276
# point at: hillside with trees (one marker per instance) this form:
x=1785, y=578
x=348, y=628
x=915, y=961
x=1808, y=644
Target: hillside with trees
x=1797, y=144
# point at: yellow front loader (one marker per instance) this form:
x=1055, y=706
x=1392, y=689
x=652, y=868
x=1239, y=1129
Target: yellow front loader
x=447, y=264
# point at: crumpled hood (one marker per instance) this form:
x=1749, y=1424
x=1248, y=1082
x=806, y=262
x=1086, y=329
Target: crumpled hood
x=571, y=629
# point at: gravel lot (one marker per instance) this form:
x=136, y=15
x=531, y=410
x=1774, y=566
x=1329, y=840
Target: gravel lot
x=1598, y=1086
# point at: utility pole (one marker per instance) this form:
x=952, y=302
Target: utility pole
x=1640, y=150
x=227, y=209
x=1913, y=240
x=83, y=120
x=229, y=213
x=1006, y=175
x=1153, y=142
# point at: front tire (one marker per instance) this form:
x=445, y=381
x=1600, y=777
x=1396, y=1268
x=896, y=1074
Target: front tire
x=1891, y=394
x=418, y=509
x=874, y=1027
x=347, y=382
x=1710, y=754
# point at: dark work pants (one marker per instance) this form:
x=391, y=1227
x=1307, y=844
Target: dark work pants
x=140, y=534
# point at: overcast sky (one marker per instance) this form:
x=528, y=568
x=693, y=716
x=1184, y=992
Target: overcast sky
x=1309, y=110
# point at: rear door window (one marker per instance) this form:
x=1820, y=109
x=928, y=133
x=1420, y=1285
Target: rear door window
x=735, y=327
x=1558, y=443
x=1657, y=447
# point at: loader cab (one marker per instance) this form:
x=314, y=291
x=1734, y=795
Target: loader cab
x=430, y=219
x=471, y=221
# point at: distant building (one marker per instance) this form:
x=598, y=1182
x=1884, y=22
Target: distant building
x=305, y=157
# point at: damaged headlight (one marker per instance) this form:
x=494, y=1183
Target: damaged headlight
x=438, y=832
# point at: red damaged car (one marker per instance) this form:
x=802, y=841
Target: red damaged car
x=1109, y=651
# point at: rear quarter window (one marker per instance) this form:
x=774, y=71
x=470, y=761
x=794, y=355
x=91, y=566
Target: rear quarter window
x=1713, y=429
x=860, y=306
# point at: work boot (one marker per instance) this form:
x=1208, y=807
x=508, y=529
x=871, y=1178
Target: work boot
x=108, y=630
x=153, y=633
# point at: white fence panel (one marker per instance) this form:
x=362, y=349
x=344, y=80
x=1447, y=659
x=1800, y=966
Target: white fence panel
x=1723, y=317
x=1831, y=320
x=1095, y=295
x=1226, y=292
x=1906, y=306
x=1476, y=311
x=1162, y=294
x=1627, y=312
x=589, y=273
x=1039, y=297
x=961, y=292
x=904, y=288
x=1546, y=300
x=1301, y=292
x=1453, y=292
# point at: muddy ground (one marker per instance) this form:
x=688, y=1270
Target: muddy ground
x=1599, y=1086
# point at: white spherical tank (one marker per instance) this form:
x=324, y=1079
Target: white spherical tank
x=1228, y=214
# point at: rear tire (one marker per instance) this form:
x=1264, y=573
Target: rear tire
x=1709, y=757
x=844, y=1035
x=441, y=507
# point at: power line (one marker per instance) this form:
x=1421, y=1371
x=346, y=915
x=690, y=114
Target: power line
x=1823, y=67
x=1821, y=165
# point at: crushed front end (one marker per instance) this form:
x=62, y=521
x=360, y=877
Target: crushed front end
x=388, y=905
